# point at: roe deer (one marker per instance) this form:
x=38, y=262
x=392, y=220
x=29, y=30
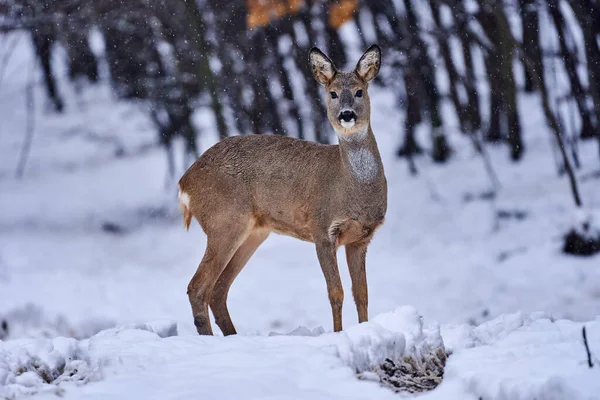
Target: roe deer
x=245, y=187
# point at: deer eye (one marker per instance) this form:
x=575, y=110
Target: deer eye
x=334, y=95
x=359, y=93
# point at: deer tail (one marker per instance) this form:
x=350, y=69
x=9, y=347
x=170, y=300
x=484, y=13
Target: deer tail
x=184, y=204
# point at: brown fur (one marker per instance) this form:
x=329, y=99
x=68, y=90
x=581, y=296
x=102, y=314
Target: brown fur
x=245, y=187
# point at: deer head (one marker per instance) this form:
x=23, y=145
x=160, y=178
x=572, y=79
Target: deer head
x=348, y=105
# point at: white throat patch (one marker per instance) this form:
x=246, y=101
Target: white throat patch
x=363, y=164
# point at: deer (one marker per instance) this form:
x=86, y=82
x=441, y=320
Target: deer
x=245, y=187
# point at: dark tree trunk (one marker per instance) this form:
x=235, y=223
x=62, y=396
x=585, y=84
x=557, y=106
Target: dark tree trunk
x=207, y=77
x=82, y=62
x=494, y=21
x=592, y=54
x=43, y=39
x=473, y=106
x=286, y=85
x=412, y=84
x=319, y=116
x=587, y=128
x=531, y=39
x=132, y=56
x=462, y=18
x=440, y=149
x=453, y=76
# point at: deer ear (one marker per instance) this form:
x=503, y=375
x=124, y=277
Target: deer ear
x=368, y=65
x=322, y=68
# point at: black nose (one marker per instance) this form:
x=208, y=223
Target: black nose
x=347, y=116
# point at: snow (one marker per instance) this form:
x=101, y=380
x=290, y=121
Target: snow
x=152, y=362
x=587, y=223
x=95, y=262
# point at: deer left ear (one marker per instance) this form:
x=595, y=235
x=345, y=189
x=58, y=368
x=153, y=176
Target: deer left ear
x=322, y=67
x=368, y=66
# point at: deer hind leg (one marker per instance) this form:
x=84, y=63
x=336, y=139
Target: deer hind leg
x=221, y=245
x=218, y=300
x=327, y=258
x=356, y=254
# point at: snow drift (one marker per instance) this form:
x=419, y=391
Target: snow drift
x=514, y=356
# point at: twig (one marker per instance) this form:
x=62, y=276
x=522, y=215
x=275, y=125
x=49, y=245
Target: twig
x=487, y=162
x=30, y=125
x=587, y=348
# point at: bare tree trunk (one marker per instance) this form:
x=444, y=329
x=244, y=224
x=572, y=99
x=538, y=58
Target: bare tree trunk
x=453, y=76
x=440, y=148
x=592, y=54
x=495, y=24
x=587, y=128
x=319, y=117
x=413, y=109
x=531, y=40
x=473, y=107
x=209, y=82
x=43, y=39
x=286, y=85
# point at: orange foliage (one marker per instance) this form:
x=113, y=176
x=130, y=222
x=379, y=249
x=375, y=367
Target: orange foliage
x=341, y=12
x=262, y=12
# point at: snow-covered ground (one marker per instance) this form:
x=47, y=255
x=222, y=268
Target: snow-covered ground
x=462, y=261
x=513, y=357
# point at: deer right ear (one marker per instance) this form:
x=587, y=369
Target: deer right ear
x=370, y=62
x=322, y=68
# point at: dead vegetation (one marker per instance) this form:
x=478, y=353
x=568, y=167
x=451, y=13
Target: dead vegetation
x=414, y=375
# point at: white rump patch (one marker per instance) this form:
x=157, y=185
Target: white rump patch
x=363, y=164
x=348, y=124
x=184, y=198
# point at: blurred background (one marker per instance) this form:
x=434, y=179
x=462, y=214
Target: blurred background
x=487, y=114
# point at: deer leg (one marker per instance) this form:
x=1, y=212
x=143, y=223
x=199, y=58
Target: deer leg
x=218, y=300
x=356, y=254
x=327, y=259
x=219, y=250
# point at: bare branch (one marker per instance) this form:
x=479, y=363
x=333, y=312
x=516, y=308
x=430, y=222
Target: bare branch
x=587, y=348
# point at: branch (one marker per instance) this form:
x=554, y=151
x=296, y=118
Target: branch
x=587, y=348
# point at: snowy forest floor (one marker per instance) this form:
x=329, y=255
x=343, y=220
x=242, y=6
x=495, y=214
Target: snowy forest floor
x=91, y=239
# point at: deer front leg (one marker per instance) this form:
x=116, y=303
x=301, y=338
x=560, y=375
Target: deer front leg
x=356, y=254
x=328, y=261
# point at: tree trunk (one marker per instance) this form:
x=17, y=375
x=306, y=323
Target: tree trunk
x=592, y=55
x=500, y=63
x=531, y=40
x=440, y=149
x=453, y=76
x=43, y=38
x=587, y=128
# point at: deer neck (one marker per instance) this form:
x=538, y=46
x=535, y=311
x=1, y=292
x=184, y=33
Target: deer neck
x=360, y=157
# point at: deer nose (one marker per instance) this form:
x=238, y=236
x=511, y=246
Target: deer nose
x=347, y=116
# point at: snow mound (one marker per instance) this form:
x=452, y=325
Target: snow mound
x=30, y=366
x=30, y=321
x=163, y=329
x=519, y=357
x=421, y=366
x=394, y=348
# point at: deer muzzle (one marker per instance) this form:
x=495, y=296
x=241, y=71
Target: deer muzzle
x=347, y=118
